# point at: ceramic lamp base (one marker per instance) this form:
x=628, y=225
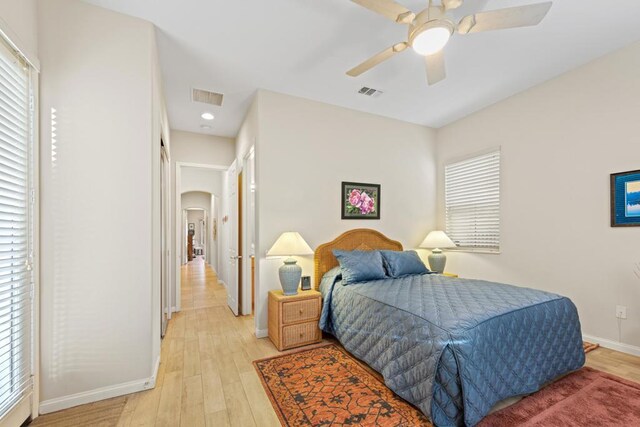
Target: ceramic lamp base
x=290, y=274
x=437, y=261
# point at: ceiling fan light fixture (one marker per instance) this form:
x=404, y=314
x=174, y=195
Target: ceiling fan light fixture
x=431, y=38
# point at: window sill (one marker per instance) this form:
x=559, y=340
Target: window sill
x=476, y=251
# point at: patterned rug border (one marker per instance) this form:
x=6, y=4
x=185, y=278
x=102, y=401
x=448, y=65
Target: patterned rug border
x=266, y=387
x=589, y=346
x=294, y=351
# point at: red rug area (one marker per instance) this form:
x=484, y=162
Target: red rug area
x=584, y=398
x=324, y=386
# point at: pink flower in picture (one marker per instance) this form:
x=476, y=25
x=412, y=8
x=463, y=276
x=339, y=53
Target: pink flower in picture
x=371, y=205
x=355, y=198
x=366, y=203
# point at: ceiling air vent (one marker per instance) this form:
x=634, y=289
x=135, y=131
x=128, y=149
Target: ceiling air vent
x=212, y=98
x=367, y=91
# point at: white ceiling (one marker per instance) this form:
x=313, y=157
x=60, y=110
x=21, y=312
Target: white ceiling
x=304, y=48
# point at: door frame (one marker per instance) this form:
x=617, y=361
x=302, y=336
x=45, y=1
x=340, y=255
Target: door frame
x=246, y=245
x=165, y=235
x=177, y=285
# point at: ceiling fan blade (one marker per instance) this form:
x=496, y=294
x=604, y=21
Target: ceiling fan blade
x=388, y=8
x=435, y=67
x=513, y=17
x=376, y=59
x=451, y=4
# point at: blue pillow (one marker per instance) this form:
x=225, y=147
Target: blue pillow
x=360, y=266
x=400, y=263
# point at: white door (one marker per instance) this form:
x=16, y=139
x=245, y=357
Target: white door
x=232, y=283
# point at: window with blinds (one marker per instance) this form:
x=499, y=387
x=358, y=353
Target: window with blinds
x=16, y=229
x=472, y=202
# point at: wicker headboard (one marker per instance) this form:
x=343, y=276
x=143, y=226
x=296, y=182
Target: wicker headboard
x=362, y=239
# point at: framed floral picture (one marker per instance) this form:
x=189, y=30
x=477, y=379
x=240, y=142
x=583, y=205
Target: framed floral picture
x=360, y=201
x=625, y=199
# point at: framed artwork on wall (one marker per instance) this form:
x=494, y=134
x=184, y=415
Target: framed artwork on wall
x=625, y=199
x=360, y=200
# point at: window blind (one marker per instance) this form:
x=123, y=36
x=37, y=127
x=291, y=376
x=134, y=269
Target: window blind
x=472, y=202
x=16, y=231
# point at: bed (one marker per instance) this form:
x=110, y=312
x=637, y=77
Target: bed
x=451, y=347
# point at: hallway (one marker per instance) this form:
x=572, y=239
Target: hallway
x=206, y=377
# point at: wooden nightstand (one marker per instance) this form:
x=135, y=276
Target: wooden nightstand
x=293, y=320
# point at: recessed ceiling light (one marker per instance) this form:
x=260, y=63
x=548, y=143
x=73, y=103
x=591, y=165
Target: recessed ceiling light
x=207, y=116
x=205, y=127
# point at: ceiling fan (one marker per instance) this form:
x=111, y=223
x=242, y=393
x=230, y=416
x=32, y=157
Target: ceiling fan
x=430, y=29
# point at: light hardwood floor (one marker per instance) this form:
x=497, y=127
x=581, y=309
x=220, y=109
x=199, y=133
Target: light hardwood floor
x=206, y=377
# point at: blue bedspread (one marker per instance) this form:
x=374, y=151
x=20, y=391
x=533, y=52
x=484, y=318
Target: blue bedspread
x=454, y=347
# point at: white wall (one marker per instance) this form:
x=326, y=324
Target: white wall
x=196, y=199
x=201, y=179
x=560, y=141
x=18, y=19
x=249, y=130
x=100, y=295
x=305, y=150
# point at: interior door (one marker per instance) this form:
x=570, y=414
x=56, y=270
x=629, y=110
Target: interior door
x=164, y=245
x=232, y=223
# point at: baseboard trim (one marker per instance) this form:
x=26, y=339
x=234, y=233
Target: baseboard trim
x=262, y=333
x=613, y=345
x=60, y=403
x=154, y=376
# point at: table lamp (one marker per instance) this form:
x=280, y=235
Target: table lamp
x=290, y=244
x=437, y=240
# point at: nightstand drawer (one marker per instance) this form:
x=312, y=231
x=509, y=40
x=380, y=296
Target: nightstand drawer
x=295, y=335
x=293, y=319
x=298, y=311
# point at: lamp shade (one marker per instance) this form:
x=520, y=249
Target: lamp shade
x=288, y=244
x=437, y=239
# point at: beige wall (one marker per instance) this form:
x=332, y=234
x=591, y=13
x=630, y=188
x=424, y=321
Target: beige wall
x=191, y=147
x=99, y=276
x=304, y=151
x=560, y=141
